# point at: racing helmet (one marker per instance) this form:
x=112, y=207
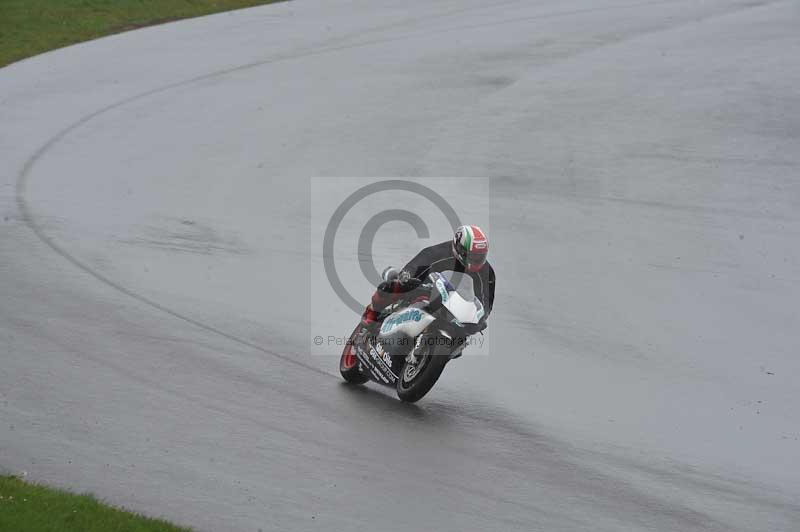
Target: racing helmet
x=470, y=247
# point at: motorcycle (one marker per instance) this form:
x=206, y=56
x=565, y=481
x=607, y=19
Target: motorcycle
x=419, y=334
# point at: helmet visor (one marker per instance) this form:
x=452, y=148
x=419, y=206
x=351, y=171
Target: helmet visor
x=474, y=260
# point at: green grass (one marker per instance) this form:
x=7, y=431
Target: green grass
x=30, y=27
x=32, y=508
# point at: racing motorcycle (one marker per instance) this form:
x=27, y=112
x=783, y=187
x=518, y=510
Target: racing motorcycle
x=418, y=336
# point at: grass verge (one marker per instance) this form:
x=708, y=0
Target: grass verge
x=30, y=27
x=28, y=507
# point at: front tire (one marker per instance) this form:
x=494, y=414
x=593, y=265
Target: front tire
x=418, y=379
x=349, y=366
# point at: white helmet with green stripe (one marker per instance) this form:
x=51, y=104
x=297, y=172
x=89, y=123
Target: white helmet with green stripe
x=470, y=247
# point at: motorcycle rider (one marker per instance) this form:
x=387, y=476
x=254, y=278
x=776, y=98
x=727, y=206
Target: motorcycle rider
x=465, y=254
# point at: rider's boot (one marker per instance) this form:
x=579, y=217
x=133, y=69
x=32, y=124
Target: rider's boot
x=369, y=317
x=369, y=322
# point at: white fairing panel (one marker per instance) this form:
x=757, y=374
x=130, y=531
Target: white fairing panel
x=463, y=310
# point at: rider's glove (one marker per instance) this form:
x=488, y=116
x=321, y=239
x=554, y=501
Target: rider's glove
x=401, y=284
x=390, y=291
x=403, y=277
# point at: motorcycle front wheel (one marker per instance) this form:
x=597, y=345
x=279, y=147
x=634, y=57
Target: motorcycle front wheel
x=349, y=366
x=417, y=379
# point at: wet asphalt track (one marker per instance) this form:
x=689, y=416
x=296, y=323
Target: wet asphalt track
x=155, y=314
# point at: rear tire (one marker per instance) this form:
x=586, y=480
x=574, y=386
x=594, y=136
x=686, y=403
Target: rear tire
x=414, y=383
x=349, y=366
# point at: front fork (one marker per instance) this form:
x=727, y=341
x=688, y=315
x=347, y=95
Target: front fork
x=455, y=350
x=412, y=356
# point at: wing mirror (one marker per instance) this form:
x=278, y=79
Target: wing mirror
x=390, y=274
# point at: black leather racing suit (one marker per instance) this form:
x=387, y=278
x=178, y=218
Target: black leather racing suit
x=436, y=258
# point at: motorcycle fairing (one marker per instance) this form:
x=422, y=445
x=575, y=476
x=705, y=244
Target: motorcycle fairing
x=375, y=359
